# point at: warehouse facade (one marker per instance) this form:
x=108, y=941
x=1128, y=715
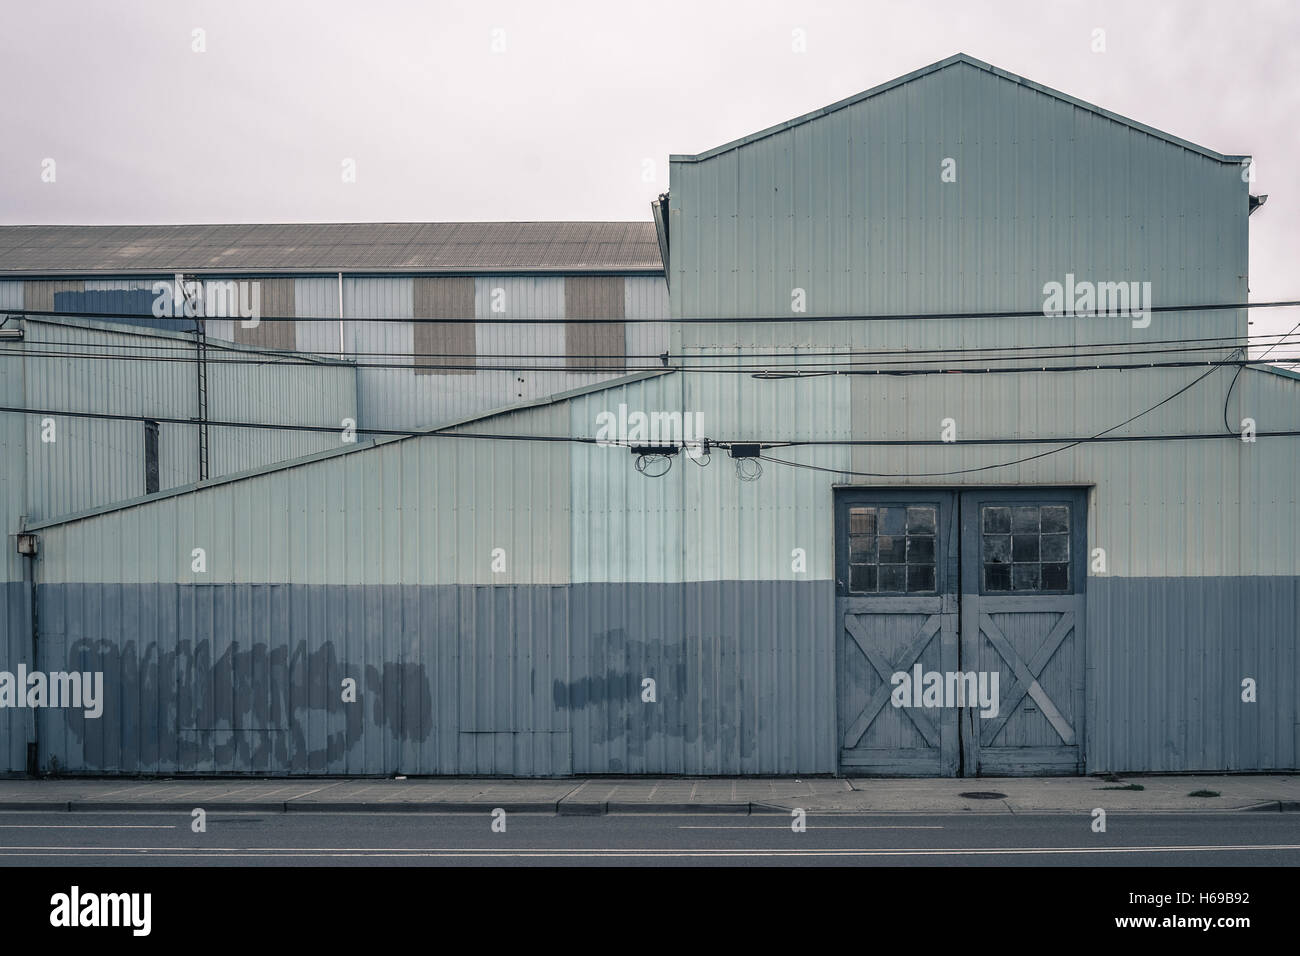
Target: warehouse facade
x=1091, y=513
x=135, y=404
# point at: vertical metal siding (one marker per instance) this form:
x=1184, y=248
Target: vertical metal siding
x=381, y=391
x=317, y=298
x=276, y=298
x=16, y=724
x=851, y=208
x=93, y=462
x=532, y=667
x=594, y=345
x=38, y=294
x=444, y=297
x=132, y=299
x=13, y=453
x=316, y=572
x=320, y=395
x=11, y=294
x=1166, y=660
x=646, y=298
x=398, y=398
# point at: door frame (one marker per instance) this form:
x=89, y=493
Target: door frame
x=956, y=579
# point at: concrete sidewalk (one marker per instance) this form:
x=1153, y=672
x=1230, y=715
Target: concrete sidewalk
x=659, y=795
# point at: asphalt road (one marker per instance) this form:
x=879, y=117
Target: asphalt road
x=461, y=839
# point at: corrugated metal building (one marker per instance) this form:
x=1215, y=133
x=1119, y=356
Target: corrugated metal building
x=1064, y=503
x=84, y=295
x=112, y=422
x=383, y=277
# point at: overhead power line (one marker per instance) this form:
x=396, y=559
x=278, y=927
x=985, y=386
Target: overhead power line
x=797, y=317
x=1102, y=435
x=1233, y=341
x=1066, y=443
x=764, y=370
x=446, y=432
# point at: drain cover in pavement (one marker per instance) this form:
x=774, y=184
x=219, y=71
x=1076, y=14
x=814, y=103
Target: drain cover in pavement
x=983, y=795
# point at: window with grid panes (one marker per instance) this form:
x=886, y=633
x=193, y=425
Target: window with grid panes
x=1025, y=547
x=892, y=549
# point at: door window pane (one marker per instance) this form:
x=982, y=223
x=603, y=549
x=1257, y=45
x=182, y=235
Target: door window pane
x=920, y=550
x=920, y=521
x=1024, y=577
x=997, y=577
x=1056, y=519
x=862, y=577
x=893, y=549
x=1056, y=547
x=892, y=520
x=1034, y=556
x=997, y=520
x=920, y=579
x=1056, y=577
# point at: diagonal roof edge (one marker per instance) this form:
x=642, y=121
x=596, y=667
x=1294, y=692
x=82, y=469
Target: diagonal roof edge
x=1288, y=373
x=943, y=64
x=339, y=452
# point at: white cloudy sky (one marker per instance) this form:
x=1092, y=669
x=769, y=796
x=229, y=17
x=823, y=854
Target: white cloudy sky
x=254, y=129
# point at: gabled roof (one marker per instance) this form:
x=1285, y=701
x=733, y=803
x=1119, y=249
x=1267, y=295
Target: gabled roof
x=352, y=247
x=954, y=60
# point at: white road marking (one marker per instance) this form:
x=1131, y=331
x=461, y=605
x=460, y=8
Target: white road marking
x=87, y=826
x=784, y=826
x=567, y=853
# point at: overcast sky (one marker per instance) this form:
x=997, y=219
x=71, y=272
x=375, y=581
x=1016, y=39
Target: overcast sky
x=559, y=124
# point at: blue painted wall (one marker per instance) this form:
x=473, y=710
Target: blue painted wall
x=522, y=680
x=547, y=680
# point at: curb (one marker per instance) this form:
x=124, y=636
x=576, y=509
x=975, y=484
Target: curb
x=428, y=806
x=105, y=806
x=1276, y=806
x=570, y=808
x=563, y=808
x=678, y=808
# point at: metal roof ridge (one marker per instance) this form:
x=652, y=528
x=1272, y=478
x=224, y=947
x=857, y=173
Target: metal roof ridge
x=943, y=64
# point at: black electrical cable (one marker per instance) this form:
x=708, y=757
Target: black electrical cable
x=1233, y=383
x=328, y=357
x=767, y=374
x=798, y=318
x=648, y=465
x=447, y=432
x=767, y=371
x=348, y=357
x=964, y=471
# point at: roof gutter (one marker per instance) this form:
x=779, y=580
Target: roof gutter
x=659, y=209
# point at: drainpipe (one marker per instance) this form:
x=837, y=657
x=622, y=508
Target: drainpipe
x=28, y=545
x=340, y=315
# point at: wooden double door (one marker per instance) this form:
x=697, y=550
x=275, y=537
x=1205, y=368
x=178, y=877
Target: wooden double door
x=961, y=631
